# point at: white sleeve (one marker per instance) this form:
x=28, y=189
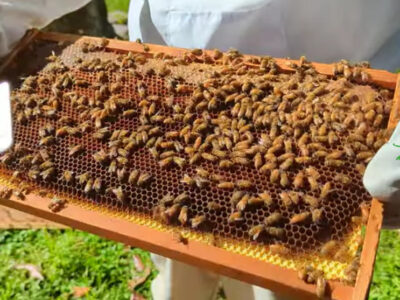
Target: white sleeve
x=17, y=16
x=382, y=176
x=382, y=179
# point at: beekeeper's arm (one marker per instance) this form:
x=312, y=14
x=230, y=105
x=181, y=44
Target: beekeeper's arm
x=17, y=16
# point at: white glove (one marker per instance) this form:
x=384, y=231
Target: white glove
x=6, y=138
x=382, y=178
x=17, y=16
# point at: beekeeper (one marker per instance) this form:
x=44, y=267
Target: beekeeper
x=324, y=31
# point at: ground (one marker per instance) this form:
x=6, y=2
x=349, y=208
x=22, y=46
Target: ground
x=70, y=264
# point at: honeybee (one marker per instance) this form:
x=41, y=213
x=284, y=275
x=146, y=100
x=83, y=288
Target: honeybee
x=213, y=206
x=181, y=199
x=198, y=221
x=268, y=167
x=119, y=194
x=235, y=217
x=300, y=218
x=313, y=183
x=325, y=190
x=6, y=193
x=47, y=140
x=19, y=194
x=48, y=174
x=75, y=150
x=166, y=162
x=180, y=238
x=209, y=156
x=236, y=196
x=88, y=186
x=172, y=212
x=275, y=231
x=364, y=207
x=225, y=164
x=227, y=185
x=364, y=155
x=133, y=177
x=196, y=52
x=360, y=168
x=47, y=164
x=298, y=181
x=195, y=158
x=179, y=161
x=303, y=160
x=343, y=179
x=294, y=196
x=272, y=219
x=266, y=197
x=83, y=178
x=287, y=164
x=122, y=175
x=256, y=231
x=328, y=248
x=284, y=179
x=144, y=179
x=244, y=184
x=7, y=158
x=279, y=249
x=258, y=162
x=274, y=177
x=56, y=204
x=61, y=132
x=242, y=204
x=68, y=176
x=188, y=180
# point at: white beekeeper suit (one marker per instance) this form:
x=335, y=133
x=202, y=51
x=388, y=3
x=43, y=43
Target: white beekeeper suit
x=325, y=31
x=16, y=16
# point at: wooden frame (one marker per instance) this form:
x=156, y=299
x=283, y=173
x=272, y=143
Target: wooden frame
x=240, y=267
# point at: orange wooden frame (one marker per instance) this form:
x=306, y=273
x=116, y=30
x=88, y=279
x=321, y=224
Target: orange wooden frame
x=280, y=280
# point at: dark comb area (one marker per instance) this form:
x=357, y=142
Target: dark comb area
x=213, y=141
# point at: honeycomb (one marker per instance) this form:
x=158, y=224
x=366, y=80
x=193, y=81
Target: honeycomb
x=140, y=203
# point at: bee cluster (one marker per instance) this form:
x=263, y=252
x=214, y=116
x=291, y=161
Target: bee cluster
x=244, y=150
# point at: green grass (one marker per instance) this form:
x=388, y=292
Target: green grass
x=122, y=5
x=71, y=258
x=386, y=279
x=67, y=258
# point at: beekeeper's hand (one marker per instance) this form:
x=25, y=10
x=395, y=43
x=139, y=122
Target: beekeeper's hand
x=382, y=179
x=5, y=117
x=17, y=16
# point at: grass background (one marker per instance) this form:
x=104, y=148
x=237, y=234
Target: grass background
x=69, y=258
x=121, y=5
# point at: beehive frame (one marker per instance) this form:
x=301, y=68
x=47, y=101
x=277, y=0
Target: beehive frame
x=198, y=253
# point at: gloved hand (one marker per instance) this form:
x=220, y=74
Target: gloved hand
x=382, y=179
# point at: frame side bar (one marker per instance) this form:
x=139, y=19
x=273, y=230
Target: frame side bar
x=395, y=112
x=368, y=253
